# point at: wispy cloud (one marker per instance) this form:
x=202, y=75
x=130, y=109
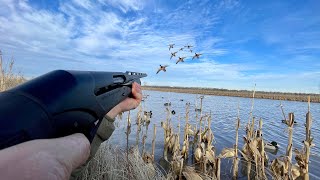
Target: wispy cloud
x=239, y=46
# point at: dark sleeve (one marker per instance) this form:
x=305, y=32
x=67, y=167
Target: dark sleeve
x=105, y=130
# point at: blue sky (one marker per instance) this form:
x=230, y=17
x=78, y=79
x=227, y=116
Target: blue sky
x=275, y=44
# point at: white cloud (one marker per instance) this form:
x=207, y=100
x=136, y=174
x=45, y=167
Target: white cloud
x=125, y=5
x=88, y=36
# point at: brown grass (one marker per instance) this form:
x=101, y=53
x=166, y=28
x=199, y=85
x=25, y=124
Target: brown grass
x=113, y=163
x=8, y=78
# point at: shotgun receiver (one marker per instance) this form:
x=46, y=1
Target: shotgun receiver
x=61, y=103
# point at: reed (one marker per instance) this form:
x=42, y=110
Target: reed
x=236, y=159
x=290, y=124
x=127, y=137
x=154, y=141
x=139, y=117
x=308, y=141
x=262, y=173
x=8, y=78
x=112, y=163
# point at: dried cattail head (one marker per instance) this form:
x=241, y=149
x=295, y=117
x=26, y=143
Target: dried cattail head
x=227, y=153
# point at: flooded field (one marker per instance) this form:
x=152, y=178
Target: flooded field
x=224, y=112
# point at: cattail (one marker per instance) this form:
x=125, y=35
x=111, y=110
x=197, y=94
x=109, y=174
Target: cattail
x=154, y=141
x=236, y=160
x=308, y=141
x=290, y=124
x=217, y=171
x=262, y=151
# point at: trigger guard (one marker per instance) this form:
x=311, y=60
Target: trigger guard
x=71, y=122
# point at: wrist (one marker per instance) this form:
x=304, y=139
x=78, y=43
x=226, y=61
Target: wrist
x=114, y=112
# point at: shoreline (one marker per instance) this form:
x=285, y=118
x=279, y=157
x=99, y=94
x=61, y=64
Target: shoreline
x=302, y=97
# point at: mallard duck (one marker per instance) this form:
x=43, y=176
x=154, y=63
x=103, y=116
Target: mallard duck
x=271, y=146
x=188, y=46
x=171, y=46
x=285, y=122
x=197, y=109
x=173, y=54
x=196, y=55
x=148, y=114
x=181, y=59
x=162, y=68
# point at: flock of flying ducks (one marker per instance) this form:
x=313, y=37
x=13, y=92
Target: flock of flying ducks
x=180, y=59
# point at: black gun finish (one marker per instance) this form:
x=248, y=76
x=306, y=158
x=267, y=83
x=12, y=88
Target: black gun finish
x=61, y=103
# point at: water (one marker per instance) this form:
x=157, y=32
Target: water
x=224, y=113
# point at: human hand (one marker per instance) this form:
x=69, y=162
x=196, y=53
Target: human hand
x=44, y=158
x=129, y=103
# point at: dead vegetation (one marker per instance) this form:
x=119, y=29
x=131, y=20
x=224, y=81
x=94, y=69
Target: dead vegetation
x=8, y=77
x=198, y=145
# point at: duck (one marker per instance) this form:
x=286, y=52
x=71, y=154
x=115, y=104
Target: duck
x=285, y=122
x=181, y=49
x=188, y=46
x=181, y=100
x=181, y=59
x=162, y=68
x=271, y=146
x=149, y=114
x=173, y=54
x=167, y=104
x=171, y=46
x=173, y=112
x=196, y=55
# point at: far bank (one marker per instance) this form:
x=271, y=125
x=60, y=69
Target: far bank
x=303, y=97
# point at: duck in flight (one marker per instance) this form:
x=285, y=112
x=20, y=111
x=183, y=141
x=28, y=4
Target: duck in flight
x=181, y=59
x=196, y=55
x=162, y=68
x=173, y=54
x=188, y=46
x=181, y=49
x=171, y=46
